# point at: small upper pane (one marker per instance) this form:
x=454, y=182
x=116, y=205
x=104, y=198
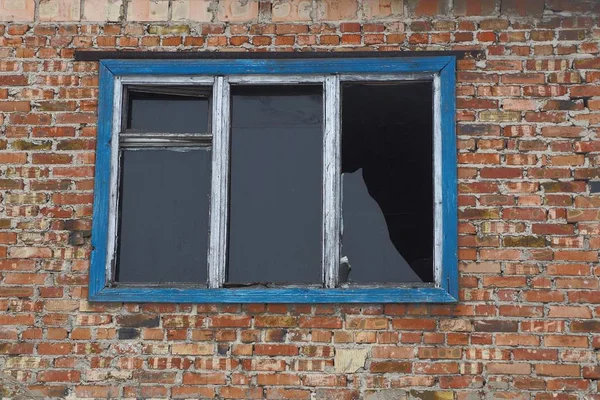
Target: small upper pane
x=168, y=110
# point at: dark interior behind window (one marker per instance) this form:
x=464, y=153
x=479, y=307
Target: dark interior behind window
x=164, y=186
x=163, y=229
x=387, y=166
x=276, y=178
x=168, y=110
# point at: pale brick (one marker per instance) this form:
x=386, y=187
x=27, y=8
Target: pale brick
x=192, y=349
x=191, y=10
x=337, y=10
x=373, y=9
x=59, y=10
x=291, y=10
x=147, y=10
x=237, y=10
x=17, y=10
x=102, y=10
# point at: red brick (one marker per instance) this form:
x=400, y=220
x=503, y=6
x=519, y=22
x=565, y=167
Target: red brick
x=557, y=370
x=59, y=376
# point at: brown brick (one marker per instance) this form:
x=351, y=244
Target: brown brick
x=474, y=7
x=533, y=8
x=391, y=366
x=495, y=326
x=585, y=326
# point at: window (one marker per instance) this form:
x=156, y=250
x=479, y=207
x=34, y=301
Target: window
x=300, y=180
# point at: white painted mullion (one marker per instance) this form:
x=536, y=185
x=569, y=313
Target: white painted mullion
x=331, y=182
x=438, y=229
x=275, y=79
x=217, y=248
x=417, y=76
x=160, y=80
x=115, y=156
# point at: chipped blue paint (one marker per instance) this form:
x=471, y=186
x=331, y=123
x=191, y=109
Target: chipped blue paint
x=447, y=292
x=98, y=271
x=449, y=180
x=280, y=67
x=274, y=295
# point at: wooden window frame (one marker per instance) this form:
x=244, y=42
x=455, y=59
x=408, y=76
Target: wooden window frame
x=115, y=75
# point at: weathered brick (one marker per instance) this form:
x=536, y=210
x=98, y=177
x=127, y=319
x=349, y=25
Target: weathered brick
x=138, y=321
x=527, y=247
x=495, y=326
x=391, y=366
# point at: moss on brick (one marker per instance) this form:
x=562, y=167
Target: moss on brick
x=558, y=187
x=524, y=241
x=75, y=144
x=479, y=213
x=500, y=116
x=391, y=366
x=8, y=184
x=430, y=395
x=168, y=29
x=28, y=145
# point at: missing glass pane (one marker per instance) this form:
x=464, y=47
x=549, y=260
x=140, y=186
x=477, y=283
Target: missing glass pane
x=276, y=175
x=168, y=109
x=387, y=181
x=163, y=224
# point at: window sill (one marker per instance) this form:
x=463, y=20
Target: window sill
x=276, y=295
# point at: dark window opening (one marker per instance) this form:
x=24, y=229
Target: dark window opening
x=276, y=173
x=163, y=224
x=164, y=186
x=387, y=181
x=168, y=109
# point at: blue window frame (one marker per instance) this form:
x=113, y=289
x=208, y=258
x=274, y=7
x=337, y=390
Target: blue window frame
x=116, y=74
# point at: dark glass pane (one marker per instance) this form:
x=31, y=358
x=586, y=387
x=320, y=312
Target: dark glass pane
x=163, y=229
x=167, y=113
x=387, y=166
x=276, y=158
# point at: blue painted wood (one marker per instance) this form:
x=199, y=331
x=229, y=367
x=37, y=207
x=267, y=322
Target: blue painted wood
x=449, y=180
x=98, y=271
x=272, y=66
x=446, y=293
x=275, y=295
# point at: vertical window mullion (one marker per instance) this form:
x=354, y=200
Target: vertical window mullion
x=217, y=249
x=115, y=163
x=438, y=216
x=331, y=182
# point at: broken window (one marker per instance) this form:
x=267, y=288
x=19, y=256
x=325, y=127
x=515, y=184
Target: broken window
x=282, y=181
x=387, y=182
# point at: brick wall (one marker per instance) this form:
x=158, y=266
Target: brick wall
x=526, y=326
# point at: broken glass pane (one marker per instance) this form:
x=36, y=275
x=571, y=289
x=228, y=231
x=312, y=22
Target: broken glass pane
x=167, y=112
x=387, y=182
x=276, y=175
x=163, y=224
